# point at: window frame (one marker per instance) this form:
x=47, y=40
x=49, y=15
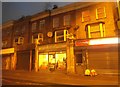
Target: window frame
x=39, y=37
x=98, y=13
x=59, y=36
x=67, y=20
x=101, y=30
x=84, y=16
x=34, y=26
x=42, y=24
x=56, y=22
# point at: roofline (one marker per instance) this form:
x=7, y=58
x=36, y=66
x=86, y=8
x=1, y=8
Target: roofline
x=69, y=7
x=7, y=24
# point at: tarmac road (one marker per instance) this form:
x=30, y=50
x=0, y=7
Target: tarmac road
x=55, y=78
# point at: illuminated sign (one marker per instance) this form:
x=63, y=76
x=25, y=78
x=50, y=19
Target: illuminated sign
x=114, y=40
x=81, y=43
x=103, y=41
x=7, y=51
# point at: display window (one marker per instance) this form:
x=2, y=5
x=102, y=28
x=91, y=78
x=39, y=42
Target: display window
x=56, y=58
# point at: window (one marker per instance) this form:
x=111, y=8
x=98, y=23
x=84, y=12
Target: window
x=85, y=16
x=66, y=20
x=55, y=22
x=100, y=13
x=96, y=30
x=37, y=38
x=34, y=26
x=4, y=43
x=17, y=30
x=23, y=29
x=42, y=25
x=19, y=40
x=60, y=35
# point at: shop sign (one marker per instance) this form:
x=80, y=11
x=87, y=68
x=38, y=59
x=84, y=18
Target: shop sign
x=7, y=51
x=52, y=46
x=81, y=43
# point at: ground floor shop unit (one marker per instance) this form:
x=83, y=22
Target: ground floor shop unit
x=8, y=59
x=23, y=60
x=52, y=54
x=101, y=57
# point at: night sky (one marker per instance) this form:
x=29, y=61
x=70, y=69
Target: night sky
x=15, y=10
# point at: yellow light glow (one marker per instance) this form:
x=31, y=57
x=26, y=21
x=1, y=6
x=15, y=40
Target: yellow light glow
x=114, y=40
x=7, y=51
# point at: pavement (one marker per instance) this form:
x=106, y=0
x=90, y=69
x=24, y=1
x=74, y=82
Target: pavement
x=58, y=77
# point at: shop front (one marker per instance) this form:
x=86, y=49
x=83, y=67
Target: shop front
x=8, y=59
x=99, y=54
x=52, y=54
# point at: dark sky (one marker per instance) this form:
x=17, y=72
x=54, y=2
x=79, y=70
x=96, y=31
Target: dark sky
x=15, y=10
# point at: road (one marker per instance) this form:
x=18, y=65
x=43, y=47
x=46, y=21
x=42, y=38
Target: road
x=55, y=78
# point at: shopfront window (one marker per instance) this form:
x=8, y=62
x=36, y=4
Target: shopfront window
x=43, y=61
x=56, y=58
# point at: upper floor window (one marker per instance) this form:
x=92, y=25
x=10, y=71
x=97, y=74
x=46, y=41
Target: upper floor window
x=60, y=36
x=66, y=20
x=100, y=12
x=6, y=32
x=34, y=26
x=55, y=22
x=19, y=40
x=37, y=38
x=86, y=16
x=17, y=30
x=42, y=24
x=96, y=30
x=23, y=29
x=4, y=43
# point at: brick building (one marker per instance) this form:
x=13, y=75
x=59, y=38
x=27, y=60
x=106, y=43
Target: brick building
x=75, y=37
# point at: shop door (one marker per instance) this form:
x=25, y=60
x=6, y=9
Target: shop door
x=80, y=61
x=43, y=61
x=23, y=60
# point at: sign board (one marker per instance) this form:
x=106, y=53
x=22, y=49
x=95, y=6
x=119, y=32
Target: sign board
x=7, y=51
x=81, y=43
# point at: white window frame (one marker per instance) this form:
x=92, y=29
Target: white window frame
x=20, y=40
x=97, y=13
x=39, y=38
x=85, y=16
x=64, y=35
x=101, y=28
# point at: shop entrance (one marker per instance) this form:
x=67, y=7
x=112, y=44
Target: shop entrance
x=80, y=61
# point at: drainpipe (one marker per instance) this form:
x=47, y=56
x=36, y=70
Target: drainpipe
x=118, y=22
x=118, y=5
x=36, y=57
